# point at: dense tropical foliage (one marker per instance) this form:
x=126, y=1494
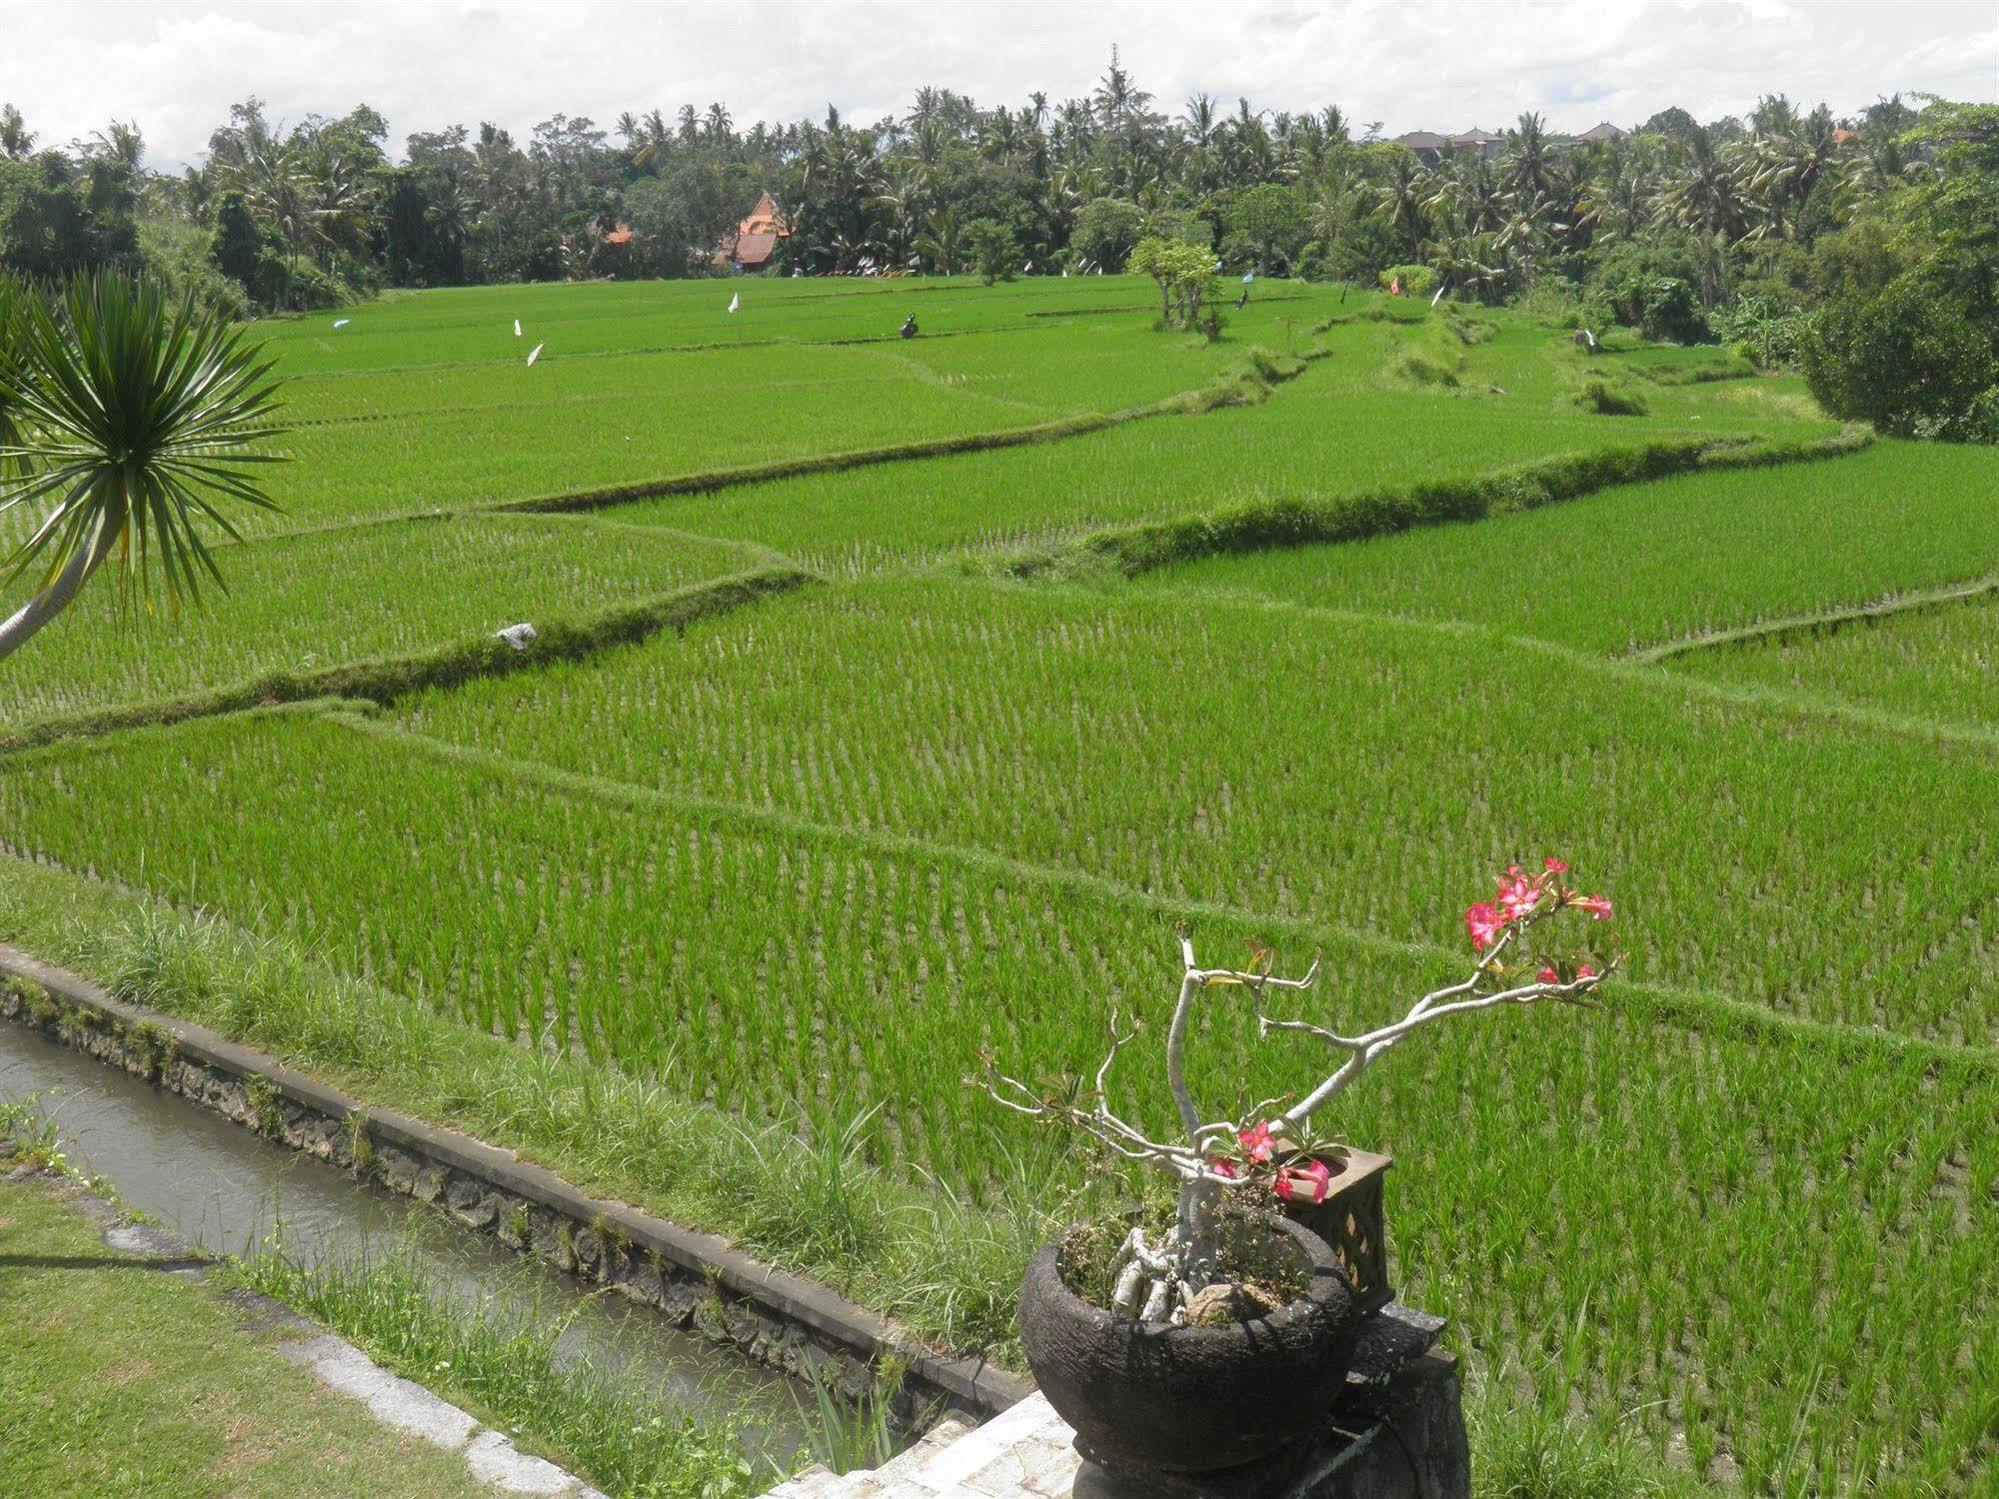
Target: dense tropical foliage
x=1737, y=228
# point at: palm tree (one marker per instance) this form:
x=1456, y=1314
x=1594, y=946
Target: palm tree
x=1402, y=196
x=1703, y=198
x=942, y=240
x=1527, y=155
x=1788, y=164
x=120, y=418
x=1117, y=97
x=16, y=139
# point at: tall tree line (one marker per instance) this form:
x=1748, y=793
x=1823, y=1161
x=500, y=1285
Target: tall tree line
x=1665, y=225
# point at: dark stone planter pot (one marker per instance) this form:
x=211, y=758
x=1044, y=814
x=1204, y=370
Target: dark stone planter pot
x=1144, y=1396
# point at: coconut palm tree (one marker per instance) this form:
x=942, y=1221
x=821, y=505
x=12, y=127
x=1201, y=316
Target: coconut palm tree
x=17, y=141
x=1528, y=155
x=1402, y=197
x=123, y=421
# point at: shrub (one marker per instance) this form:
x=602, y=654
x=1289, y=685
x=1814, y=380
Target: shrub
x=1185, y=276
x=1105, y=230
x=1762, y=330
x=1653, y=289
x=1417, y=280
x=1912, y=361
x=995, y=251
x=1606, y=400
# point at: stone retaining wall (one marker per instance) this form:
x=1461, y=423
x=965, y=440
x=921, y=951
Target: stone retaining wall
x=696, y=1280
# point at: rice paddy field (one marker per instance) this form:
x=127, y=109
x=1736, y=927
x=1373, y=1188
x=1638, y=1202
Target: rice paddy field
x=800, y=853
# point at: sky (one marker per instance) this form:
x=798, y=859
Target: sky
x=175, y=66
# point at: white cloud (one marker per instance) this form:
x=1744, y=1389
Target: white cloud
x=175, y=66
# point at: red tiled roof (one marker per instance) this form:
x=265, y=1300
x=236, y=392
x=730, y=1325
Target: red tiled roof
x=622, y=235
x=755, y=249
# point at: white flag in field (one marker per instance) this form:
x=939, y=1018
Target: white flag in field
x=342, y=322
x=534, y=353
x=517, y=327
x=1065, y=273
x=1438, y=297
x=735, y=301
x=1249, y=278
x=1026, y=268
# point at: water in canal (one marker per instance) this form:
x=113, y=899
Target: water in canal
x=227, y=1189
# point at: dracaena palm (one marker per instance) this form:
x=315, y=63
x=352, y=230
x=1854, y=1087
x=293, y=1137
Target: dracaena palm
x=128, y=426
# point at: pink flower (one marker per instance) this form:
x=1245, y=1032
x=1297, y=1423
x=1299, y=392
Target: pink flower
x=1518, y=895
x=1548, y=975
x=1222, y=1166
x=1598, y=906
x=1256, y=1142
x=1555, y=865
x=1483, y=923
x=1311, y=1184
x=1584, y=971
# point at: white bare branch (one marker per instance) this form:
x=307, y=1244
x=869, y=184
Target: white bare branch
x=1156, y=1280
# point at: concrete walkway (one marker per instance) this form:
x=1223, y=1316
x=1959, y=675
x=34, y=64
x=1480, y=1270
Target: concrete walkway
x=491, y=1458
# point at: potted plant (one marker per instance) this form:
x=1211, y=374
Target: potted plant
x=1221, y=1337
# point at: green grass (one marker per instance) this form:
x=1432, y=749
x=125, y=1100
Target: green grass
x=1650, y=563
x=500, y=1360
x=115, y=1379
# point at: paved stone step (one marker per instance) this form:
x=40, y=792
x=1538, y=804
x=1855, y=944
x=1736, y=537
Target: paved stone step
x=919, y=1452
x=1024, y=1452
x=814, y=1483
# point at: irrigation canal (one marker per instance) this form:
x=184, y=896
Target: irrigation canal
x=231, y=1192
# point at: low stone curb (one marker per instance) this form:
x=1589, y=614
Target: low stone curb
x=698, y=1279
x=490, y=1456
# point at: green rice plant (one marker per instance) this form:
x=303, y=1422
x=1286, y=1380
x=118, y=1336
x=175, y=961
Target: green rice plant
x=1639, y=566
x=1933, y=664
x=721, y=920
x=879, y=706
x=305, y=605
x=408, y=331
x=440, y=410
x=1822, y=1223
x=1335, y=431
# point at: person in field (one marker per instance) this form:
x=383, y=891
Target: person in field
x=909, y=326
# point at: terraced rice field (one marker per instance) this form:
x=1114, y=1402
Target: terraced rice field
x=801, y=858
